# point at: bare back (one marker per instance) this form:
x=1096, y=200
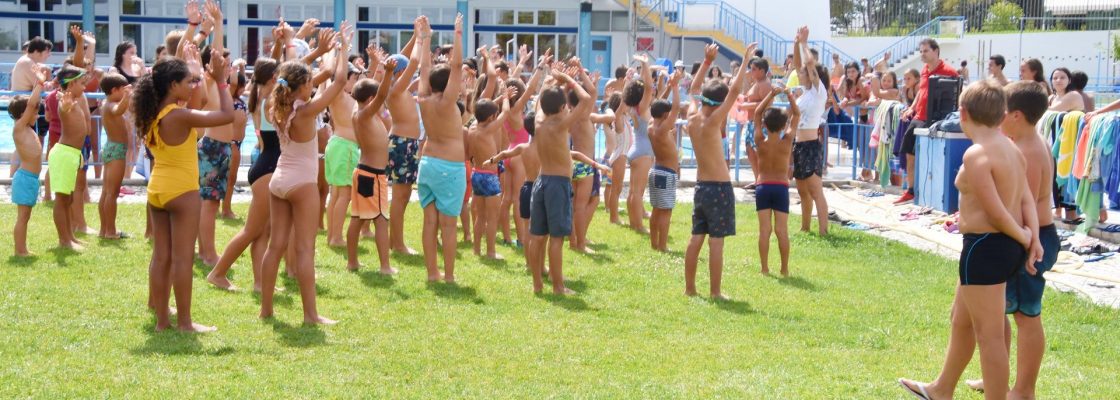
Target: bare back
x=1040, y=173
x=532, y=161
x=444, y=127
x=372, y=139
x=483, y=144
x=406, y=121
x=773, y=155
x=704, y=132
x=663, y=137
x=343, y=105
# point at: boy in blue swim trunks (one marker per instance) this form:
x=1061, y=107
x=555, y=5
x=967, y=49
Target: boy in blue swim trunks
x=999, y=222
x=118, y=94
x=442, y=176
x=713, y=216
x=487, y=190
x=550, y=210
x=1026, y=102
x=775, y=145
x=25, y=183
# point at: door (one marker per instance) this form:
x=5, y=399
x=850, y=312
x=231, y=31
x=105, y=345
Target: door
x=601, y=58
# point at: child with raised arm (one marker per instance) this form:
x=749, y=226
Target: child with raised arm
x=483, y=138
x=773, y=136
x=404, y=136
x=118, y=93
x=585, y=178
x=666, y=168
x=551, y=203
x=25, y=184
x=341, y=158
x=65, y=159
x=714, y=212
x=638, y=95
x=999, y=220
x=1026, y=102
x=295, y=197
x=369, y=191
x=442, y=180
x=169, y=131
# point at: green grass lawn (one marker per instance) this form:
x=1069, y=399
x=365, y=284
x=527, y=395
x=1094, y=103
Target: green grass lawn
x=861, y=312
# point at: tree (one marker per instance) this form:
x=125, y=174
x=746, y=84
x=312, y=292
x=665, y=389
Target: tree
x=1002, y=17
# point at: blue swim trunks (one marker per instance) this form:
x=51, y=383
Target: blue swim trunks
x=550, y=209
x=772, y=196
x=714, y=209
x=403, y=153
x=1024, y=291
x=25, y=188
x=485, y=183
x=442, y=182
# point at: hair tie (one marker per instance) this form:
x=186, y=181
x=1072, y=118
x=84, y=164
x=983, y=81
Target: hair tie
x=707, y=101
x=283, y=82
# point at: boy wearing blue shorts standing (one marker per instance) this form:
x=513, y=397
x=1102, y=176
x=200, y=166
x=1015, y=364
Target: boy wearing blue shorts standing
x=25, y=184
x=775, y=144
x=1026, y=102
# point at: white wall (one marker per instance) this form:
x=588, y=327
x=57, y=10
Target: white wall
x=1080, y=50
x=785, y=16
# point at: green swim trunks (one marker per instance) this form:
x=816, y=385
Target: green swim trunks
x=113, y=151
x=340, y=159
x=63, y=162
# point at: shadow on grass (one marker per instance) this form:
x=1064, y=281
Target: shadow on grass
x=799, y=283
x=61, y=255
x=232, y=222
x=116, y=243
x=174, y=343
x=840, y=241
x=733, y=306
x=279, y=299
x=26, y=261
x=303, y=335
x=570, y=302
x=375, y=279
x=455, y=291
x=291, y=285
x=502, y=264
x=416, y=260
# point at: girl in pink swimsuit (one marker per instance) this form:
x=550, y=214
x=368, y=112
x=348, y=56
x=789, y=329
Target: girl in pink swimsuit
x=294, y=185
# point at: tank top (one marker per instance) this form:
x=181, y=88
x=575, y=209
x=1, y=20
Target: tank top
x=265, y=125
x=176, y=167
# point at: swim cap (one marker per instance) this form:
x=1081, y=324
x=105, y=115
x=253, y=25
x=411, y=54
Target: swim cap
x=402, y=62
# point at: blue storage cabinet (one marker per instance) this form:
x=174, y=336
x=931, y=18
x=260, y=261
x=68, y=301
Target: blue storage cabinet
x=939, y=157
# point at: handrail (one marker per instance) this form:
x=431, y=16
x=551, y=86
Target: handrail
x=905, y=46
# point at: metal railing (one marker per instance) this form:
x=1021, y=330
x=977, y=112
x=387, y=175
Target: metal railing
x=896, y=17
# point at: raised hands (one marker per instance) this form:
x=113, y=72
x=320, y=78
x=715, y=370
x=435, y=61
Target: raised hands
x=347, y=37
x=458, y=25
x=523, y=54
x=802, y=34
x=218, y=68
x=67, y=101
x=327, y=40
x=193, y=59
x=307, y=28
x=675, y=78
x=374, y=53
x=511, y=92
x=710, y=52
x=750, y=51
x=546, y=59
x=390, y=65
x=194, y=17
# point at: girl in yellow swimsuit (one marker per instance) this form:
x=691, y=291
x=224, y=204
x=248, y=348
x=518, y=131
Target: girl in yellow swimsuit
x=295, y=195
x=168, y=130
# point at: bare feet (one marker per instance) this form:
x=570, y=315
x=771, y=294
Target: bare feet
x=435, y=278
x=720, y=297
x=785, y=272
x=766, y=271
x=495, y=256
x=367, y=234
x=336, y=244
x=319, y=320
x=563, y=291
x=977, y=385
x=690, y=293
x=449, y=279
x=74, y=246
x=197, y=328
x=353, y=267
x=25, y=254
x=220, y=282
x=406, y=251
x=229, y=215
x=387, y=270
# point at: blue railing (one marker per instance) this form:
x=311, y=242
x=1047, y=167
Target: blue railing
x=908, y=44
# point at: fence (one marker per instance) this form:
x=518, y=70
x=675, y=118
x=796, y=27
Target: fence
x=897, y=17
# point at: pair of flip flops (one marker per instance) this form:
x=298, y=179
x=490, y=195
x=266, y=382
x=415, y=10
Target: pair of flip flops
x=871, y=193
x=1098, y=257
x=856, y=226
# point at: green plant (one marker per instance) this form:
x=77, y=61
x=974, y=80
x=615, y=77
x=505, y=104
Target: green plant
x=1002, y=17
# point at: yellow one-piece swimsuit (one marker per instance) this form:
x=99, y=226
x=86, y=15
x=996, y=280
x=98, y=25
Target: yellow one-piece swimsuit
x=175, y=168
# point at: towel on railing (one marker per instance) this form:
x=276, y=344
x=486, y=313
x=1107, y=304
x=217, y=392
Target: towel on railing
x=1049, y=124
x=1065, y=144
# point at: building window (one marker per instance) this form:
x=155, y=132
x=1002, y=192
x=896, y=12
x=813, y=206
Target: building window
x=363, y=14
x=601, y=21
x=526, y=18
x=620, y=21
x=132, y=7
x=505, y=17
x=546, y=18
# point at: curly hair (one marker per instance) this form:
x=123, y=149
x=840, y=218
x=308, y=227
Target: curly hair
x=264, y=69
x=294, y=74
x=150, y=92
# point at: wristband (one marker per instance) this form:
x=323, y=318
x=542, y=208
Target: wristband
x=223, y=86
x=192, y=23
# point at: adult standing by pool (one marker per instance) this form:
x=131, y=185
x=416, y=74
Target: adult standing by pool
x=918, y=113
